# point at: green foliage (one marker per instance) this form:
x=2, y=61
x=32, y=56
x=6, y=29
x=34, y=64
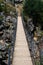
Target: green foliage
x=34, y=9
x=37, y=62
x=1, y=18
x=0, y=9
x=1, y=1
x=6, y=7
x=2, y=5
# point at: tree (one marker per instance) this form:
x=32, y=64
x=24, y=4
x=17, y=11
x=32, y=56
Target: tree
x=34, y=9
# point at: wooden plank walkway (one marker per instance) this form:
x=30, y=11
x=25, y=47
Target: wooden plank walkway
x=21, y=51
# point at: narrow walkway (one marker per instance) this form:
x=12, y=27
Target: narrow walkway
x=21, y=52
